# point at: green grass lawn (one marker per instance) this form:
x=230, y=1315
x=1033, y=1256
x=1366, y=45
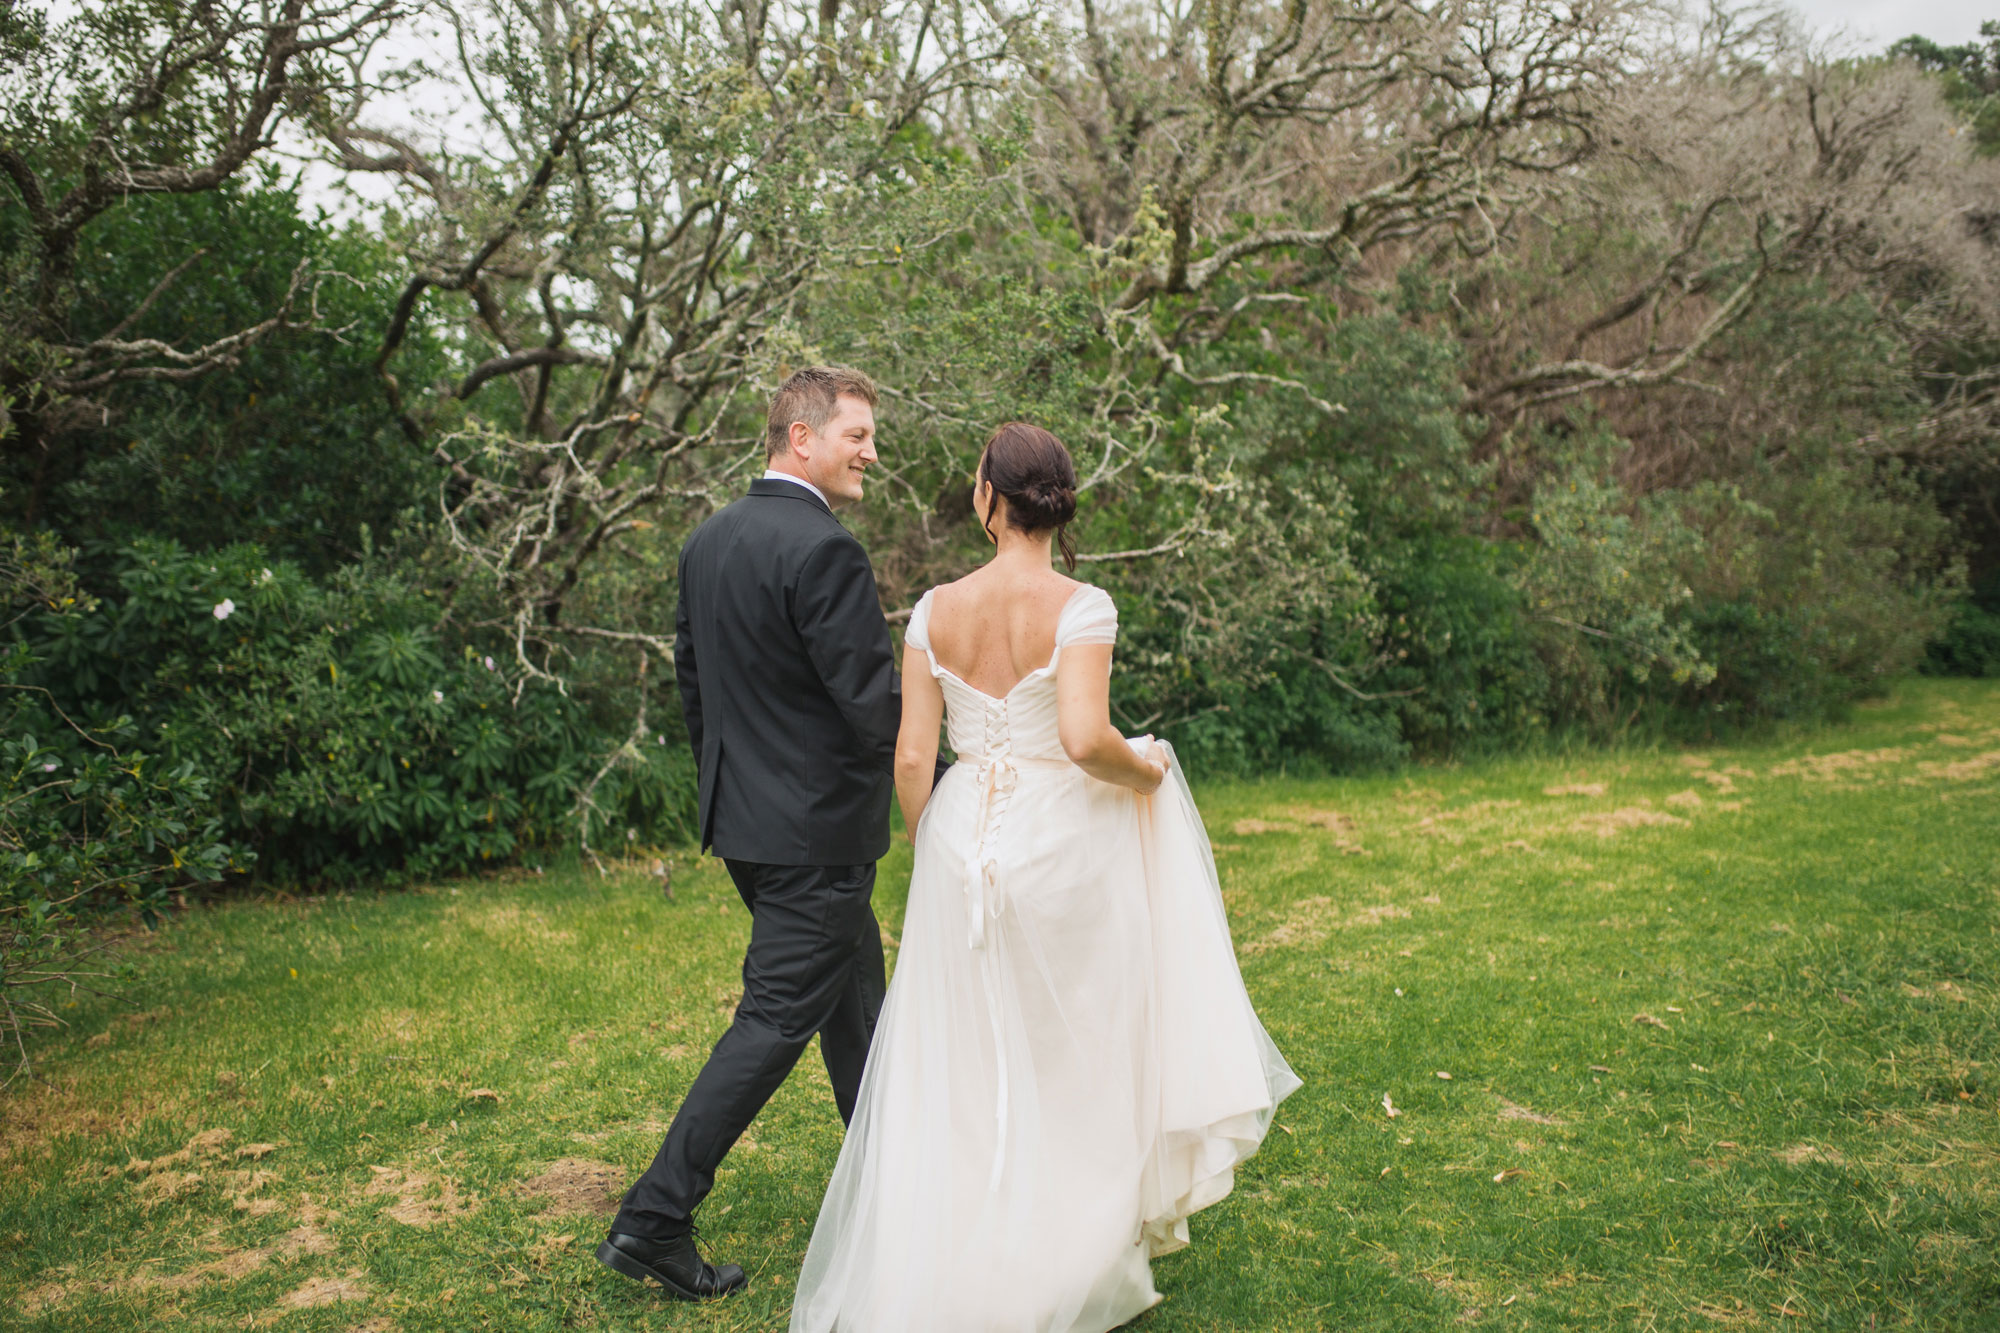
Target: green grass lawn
x=1674, y=1040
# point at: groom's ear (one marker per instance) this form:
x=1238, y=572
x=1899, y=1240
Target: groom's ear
x=800, y=437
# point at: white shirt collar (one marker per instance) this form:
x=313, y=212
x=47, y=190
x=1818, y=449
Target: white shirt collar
x=772, y=474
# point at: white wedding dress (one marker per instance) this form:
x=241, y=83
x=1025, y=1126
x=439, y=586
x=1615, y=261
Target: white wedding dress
x=1066, y=1065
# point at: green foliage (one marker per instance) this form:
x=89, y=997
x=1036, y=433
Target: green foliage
x=1602, y=585
x=1970, y=643
x=88, y=820
x=295, y=448
x=343, y=738
x=1460, y=652
x=1971, y=75
x=1812, y=588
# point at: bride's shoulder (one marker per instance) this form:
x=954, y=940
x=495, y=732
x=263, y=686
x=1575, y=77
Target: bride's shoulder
x=1078, y=595
x=1088, y=615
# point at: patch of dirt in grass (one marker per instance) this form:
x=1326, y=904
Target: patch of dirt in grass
x=1947, y=1250
x=166, y=1186
x=1250, y=828
x=1372, y=916
x=164, y=1179
x=315, y=1292
x=1964, y=770
x=421, y=1200
x=1449, y=824
x=230, y=1264
x=1576, y=789
x=1610, y=823
x=1839, y=764
x=579, y=1187
x=402, y=1026
x=1687, y=800
x=205, y=1146
x=1734, y=1312
x=1514, y=1111
x=1943, y=989
x=1312, y=920
x=512, y=924
x=1332, y=821
x=1801, y=1153
x=47, y=1296
x=243, y=1185
x=307, y=1237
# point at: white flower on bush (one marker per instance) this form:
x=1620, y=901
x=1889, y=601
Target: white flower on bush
x=437, y=696
x=263, y=576
x=224, y=609
x=489, y=663
x=49, y=768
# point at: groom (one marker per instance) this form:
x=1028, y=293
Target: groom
x=788, y=684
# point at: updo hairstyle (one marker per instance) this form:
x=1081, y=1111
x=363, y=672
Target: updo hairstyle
x=1033, y=471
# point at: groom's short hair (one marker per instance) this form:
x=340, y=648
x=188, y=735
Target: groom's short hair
x=809, y=395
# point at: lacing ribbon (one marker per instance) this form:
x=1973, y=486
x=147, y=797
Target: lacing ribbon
x=995, y=778
x=995, y=775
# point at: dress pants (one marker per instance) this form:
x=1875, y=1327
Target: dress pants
x=814, y=965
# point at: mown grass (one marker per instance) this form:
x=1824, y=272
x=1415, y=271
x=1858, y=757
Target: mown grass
x=1802, y=1133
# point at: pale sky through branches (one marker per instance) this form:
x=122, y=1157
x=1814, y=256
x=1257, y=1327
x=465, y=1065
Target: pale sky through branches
x=1876, y=23
x=433, y=111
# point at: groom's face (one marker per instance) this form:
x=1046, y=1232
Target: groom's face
x=836, y=457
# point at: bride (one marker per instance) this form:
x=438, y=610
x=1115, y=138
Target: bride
x=1067, y=1064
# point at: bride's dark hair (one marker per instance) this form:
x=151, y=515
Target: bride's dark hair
x=1031, y=468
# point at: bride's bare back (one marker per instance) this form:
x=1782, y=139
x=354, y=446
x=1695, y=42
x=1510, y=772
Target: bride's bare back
x=995, y=627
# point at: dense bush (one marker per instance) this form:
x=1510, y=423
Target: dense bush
x=341, y=738
x=88, y=820
x=294, y=448
x=1970, y=644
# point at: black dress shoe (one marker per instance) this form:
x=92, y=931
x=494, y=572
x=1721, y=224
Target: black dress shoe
x=673, y=1262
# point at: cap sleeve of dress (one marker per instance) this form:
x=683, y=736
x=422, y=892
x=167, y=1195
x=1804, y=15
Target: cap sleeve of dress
x=1090, y=617
x=917, y=634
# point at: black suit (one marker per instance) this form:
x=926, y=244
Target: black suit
x=788, y=683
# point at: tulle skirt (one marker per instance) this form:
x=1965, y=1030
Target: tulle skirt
x=1066, y=1067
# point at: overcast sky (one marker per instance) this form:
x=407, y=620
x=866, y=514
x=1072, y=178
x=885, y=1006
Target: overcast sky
x=1878, y=22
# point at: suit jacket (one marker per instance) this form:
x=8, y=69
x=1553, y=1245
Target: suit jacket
x=788, y=683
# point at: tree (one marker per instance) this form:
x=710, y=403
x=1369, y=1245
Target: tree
x=1971, y=73
x=657, y=192
x=126, y=100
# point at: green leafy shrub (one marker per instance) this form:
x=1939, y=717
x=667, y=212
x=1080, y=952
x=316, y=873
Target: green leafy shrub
x=1970, y=643
x=1460, y=653
x=341, y=737
x=88, y=820
x=1813, y=586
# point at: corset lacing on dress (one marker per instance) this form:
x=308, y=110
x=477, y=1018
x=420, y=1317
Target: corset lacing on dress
x=996, y=773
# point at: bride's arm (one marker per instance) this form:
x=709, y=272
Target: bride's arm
x=917, y=739
x=1083, y=721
